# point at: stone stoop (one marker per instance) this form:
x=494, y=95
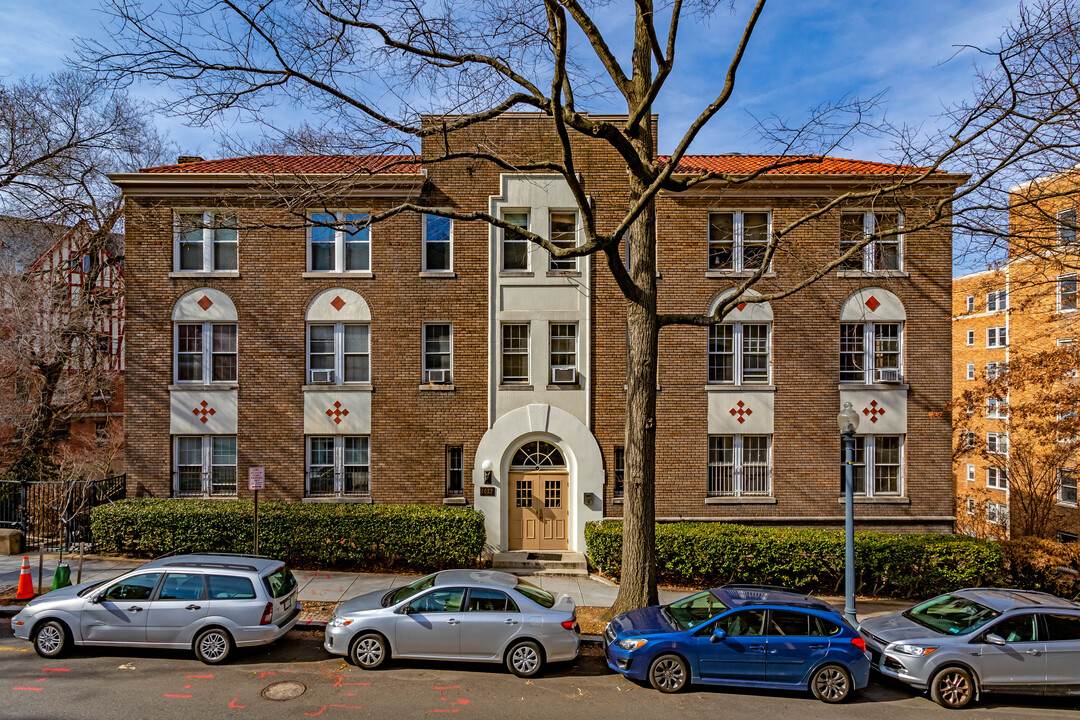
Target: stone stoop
x=541, y=562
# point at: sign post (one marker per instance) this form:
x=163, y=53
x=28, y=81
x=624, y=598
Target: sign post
x=256, y=482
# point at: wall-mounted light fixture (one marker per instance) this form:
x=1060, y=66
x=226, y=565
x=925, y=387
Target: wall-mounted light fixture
x=486, y=467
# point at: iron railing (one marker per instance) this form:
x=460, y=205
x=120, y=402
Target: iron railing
x=56, y=514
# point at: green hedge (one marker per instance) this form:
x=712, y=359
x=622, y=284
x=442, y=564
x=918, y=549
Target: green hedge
x=898, y=565
x=310, y=535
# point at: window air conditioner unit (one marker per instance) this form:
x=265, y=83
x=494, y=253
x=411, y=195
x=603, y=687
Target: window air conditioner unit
x=888, y=376
x=563, y=375
x=322, y=376
x=438, y=377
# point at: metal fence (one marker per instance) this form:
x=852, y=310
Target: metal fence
x=56, y=514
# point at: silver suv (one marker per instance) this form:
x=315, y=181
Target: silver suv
x=980, y=640
x=207, y=603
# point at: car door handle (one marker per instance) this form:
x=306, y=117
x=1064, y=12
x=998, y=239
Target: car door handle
x=510, y=621
x=453, y=621
x=134, y=608
x=193, y=607
x=1032, y=651
x=755, y=647
x=817, y=647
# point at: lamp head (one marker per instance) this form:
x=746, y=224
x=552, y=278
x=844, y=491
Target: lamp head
x=847, y=419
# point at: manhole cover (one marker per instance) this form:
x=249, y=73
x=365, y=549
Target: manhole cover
x=286, y=690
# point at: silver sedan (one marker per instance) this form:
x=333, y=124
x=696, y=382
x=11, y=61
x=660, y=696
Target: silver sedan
x=477, y=615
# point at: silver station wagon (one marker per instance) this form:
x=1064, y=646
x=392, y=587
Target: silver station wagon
x=206, y=603
x=478, y=615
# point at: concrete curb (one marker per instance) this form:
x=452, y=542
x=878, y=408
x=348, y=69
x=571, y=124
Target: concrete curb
x=311, y=624
x=10, y=610
x=602, y=580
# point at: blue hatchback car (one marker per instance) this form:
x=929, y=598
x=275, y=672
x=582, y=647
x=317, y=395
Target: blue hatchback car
x=741, y=635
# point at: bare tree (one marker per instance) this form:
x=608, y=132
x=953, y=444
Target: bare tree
x=384, y=74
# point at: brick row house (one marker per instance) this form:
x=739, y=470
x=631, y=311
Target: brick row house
x=428, y=361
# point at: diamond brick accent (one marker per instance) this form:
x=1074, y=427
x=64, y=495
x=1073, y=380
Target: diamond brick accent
x=872, y=303
x=741, y=306
x=338, y=303
x=205, y=303
x=873, y=411
x=740, y=410
x=204, y=410
x=337, y=412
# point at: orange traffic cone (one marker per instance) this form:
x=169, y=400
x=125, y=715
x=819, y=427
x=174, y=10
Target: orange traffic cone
x=26, y=585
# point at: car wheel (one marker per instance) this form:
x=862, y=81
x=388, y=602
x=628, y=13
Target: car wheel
x=953, y=688
x=370, y=651
x=525, y=659
x=52, y=639
x=669, y=674
x=213, y=646
x=831, y=684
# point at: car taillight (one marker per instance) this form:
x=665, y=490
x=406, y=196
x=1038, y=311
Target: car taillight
x=568, y=624
x=268, y=614
x=859, y=643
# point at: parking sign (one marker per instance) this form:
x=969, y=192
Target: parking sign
x=256, y=478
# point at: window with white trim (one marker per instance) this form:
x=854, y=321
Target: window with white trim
x=870, y=352
x=339, y=242
x=618, y=471
x=438, y=243
x=971, y=371
x=967, y=439
x=970, y=337
x=204, y=352
x=515, y=354
x=1066, y=490
x=971, y=303
x=563, y=353
x=738, y=240
x=997, y=478
x=338, y=465
x=994, y=370
x=971, y=506
x=339, y=353
x=996, y=408
x=1066, y=292
x=879, y=457
x=455, y=471
x=515, y=246
x=970, y=473
x=1066, y=226
x=997, y=443
x=996, y=337
x=997, y=301
x=563, y=234
x=204, y=465
x=206, y=241
x=438, y=353
x=740, y=466
x=996, y=513
x=883, y=253
x=739, y=353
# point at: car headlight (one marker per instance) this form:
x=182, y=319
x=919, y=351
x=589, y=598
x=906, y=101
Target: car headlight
x=916, y=650
x=631, y=644
x=340, y=622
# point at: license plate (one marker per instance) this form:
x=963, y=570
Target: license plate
x=286, y=604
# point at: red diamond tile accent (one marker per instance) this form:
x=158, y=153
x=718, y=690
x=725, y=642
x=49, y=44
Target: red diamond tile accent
x=740, y=307
x=205, y=303
x=872, y=303
x=337, y=412
x=203, y=411
x=338, y=303
x=740, y=410
x=873, y=411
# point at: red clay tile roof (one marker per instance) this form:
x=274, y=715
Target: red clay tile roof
x=256, y=164
x=814, y=165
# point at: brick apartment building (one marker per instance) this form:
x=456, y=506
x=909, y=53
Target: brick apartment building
x=425, y=361
x=1023, y=309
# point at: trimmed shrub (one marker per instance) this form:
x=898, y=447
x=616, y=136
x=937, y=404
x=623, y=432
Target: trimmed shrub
x=898, y=565
x=310, y=535
x=1037, y=564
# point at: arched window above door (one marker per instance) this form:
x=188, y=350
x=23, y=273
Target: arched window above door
x=537, y=455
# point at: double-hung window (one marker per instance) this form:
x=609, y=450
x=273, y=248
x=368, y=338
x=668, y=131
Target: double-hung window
x=997, y=337
x=204, y=465
x=997, y=301
x=1067, y=486
x=205, y=352
x=739, y=466
x=870, y=352
x=455, y=471
x=997, y=513
x=971, y=371
x=970, y=473
x=206, y=241
x=338, y=465
x=1066, y=226
x=515, y=246
x=339, y=353
x=1066, y=292
x=738, y=240
x=438, y=243
x=997, y=443
x=563, y=351
x=515, y=354
x=971, y=506
x=996, y=408
x=994, y=370
x=618, y=471
x=971, y=303
x=881, y=253
x=970, y=337
x=880, y=458
x=438, y=353
x=339, y=242
x=997, y=478
x=563, y=226
x=739, y=353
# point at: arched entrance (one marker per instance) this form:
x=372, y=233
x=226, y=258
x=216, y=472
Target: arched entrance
x=537, y=497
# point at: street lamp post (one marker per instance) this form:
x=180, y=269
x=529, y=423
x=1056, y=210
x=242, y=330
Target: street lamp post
x=848, y=421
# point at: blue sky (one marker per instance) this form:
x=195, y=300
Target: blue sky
x=804, y=52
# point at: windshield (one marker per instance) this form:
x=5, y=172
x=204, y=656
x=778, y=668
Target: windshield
x=541, y=597
x=404, y=593
x=696, y=609
x=951, y=614
x=280, y=582
x=88, y=588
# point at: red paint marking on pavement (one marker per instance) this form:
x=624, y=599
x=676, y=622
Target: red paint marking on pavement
x=55, y=669
x=339, y=683
x=350, y=694
x=324, y=707
x=26, y=688
x=177, y=696
x=234, y=706
x=199, y=676
x=187, y=687
x=447, y=687
x=268, y=672
x=41, y=679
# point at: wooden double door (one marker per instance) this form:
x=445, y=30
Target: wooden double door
x=538, y=510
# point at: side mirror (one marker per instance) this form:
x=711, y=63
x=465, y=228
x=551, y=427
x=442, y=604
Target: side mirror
x=994, y=639
x=96, y=598
x=403, y=610
x=718, y=635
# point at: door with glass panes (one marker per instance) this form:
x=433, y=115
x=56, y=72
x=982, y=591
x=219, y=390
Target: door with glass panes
x=537, y=497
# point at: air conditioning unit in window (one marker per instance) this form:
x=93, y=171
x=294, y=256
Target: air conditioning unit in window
x=322, y=376
x=564, y=375
x=438, y=377
x=888, y=376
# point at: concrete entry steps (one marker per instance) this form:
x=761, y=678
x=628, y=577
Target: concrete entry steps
x=541, y=562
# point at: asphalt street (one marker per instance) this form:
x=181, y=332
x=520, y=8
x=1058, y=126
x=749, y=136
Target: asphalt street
x=120, y=684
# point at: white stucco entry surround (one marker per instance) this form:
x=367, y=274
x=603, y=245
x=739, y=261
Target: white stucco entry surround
x=583, y=462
